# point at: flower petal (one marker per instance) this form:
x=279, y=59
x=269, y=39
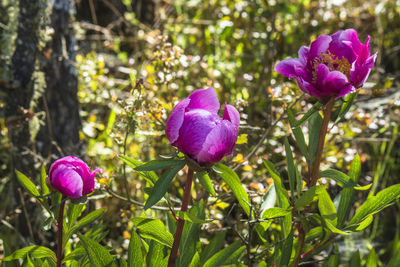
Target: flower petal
x=359, y=74
x=66, y=180
x=303, y=53
x=206, y=99
x=336, y=84
x=320, y=45
x=342, y=44
x=197, y=124
x=291, y=67
x=219, y=142
x=81, y=167
x=175, y=121
x=232, y=115
x=88, y=182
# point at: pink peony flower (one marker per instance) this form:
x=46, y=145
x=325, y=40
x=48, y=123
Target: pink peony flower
x=195, y=128
x=72, y=177
x=333, y=66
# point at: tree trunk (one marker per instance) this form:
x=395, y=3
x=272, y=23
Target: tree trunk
x=60, y=136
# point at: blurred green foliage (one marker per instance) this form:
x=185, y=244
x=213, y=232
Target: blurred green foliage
x=132, y=73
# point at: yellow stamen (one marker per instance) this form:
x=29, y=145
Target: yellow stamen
x=332, y=62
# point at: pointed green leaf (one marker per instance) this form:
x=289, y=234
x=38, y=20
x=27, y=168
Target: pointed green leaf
x=348, y=101
x=43, y=184
x=150, y=177
x=346, y=198
x=269, y=199
x=308, y=196
x=36, y=252
x=355, y=260
x=158, y=164
x=205, y=181
x=342, y=179
x=98, y=255
x=298, y=134
x=235, y=256
x=233, y=181
x=326, y=207
x=155, y=256
x=314, y=127
x=191, y=235
x=73, y=213
x=219, y=258
x=195, y=261
x=308, y=114
x=273, y=213
x=376, y=203
x=153, y=229
x=161, y=186
x=286, y=251
x=215, y=245
x=135, y=257
x=371, y=259
x=290, y=166
x=27, y=184
x=81, y=223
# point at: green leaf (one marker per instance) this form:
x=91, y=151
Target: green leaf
x=161, y=186
x=342, y=179
x=76, y=254
x=269, y=199
x=365, y=223
x=135, y=257
x=348, y=101
x=191, y=235
x=153, y=229
x=371, y=259
x=277, y=180
x=307, y=197
x=27, y=184
x=334, y=258
x=82, y=222
x=155, y=255
x=290, y=166
x=233, y=181
x=73, y=213
x=43, y=184
x=326, y=207
x=355, y=260
x=150, y=177
x=36, y=252
x=158, y=164
x=314, y=127
x=286, y=251
x=215, y=245
x=376, y=203
x=283, y=198
x=205, y=181
x=298, y=134
x=273, y=213
x=187, y=216
x=234, y=257
x=347, y=194
x=308, y=114
x=195, y=261
x=98, y=255
x=334, y=229
x=219, y=258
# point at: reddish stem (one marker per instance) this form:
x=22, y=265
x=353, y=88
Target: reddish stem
x=60, y=233
x=181, y=222
x=321, y=141
x=315, y=248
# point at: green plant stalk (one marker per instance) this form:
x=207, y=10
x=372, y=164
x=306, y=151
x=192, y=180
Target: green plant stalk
x=60, y=224
x=321, y=142
x=300, y=246
x=181, y=222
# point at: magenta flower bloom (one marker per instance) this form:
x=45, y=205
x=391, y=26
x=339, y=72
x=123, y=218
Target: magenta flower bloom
x=72, y=177
x=195, y=128
x=333, y=66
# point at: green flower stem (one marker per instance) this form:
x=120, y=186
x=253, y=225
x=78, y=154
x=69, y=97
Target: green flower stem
x=321, y=142
x=181, y=222
x=60, y=233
